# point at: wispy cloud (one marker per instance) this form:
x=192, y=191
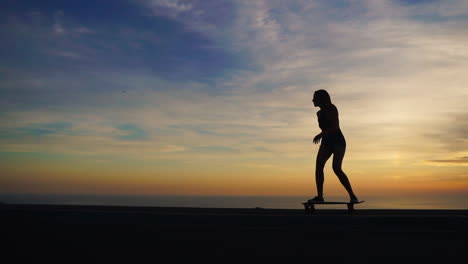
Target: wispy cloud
x=36, y=130
x=67, y=54
x=59, y=29
x=450, y=162
x=132, y=132
x=176, y=6
x=83, y=30
x=172, y=148
x=209, y=17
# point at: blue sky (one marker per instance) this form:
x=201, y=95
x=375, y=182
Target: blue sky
x=206, y=82
x=70, y=37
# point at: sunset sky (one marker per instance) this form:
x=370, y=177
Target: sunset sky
x=213, y=97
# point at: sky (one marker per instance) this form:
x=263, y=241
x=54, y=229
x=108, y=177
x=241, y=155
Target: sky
x=213, y=97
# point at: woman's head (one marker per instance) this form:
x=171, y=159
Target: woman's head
x=321, y=98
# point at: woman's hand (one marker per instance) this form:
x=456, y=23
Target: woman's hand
x=317, y=138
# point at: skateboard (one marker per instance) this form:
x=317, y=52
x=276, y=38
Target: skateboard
x=310, y=206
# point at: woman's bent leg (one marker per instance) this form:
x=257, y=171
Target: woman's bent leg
x=338, y=156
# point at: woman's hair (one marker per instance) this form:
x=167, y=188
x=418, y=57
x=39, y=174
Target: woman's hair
x=322, y=96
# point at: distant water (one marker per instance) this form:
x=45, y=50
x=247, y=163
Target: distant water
x=459, y=201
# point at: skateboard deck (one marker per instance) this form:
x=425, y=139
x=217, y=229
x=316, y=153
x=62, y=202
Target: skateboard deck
x=310, y=206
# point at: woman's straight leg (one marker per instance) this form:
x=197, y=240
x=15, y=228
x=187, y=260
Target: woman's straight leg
x=323, y=155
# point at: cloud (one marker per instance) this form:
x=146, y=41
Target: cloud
x=84, y=30
x=66, y=54
x=35, y=130
x=172, y=148
x=437, y=9
x=132, y=132
x=208, y=17
x=213, y=148
x=59, y=29
x=451, y=132
x=175, y=5
x=463, y=161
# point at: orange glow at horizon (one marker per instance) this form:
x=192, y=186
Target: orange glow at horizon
x=85, y=178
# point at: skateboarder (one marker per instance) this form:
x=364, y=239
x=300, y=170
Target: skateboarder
x=333, y=142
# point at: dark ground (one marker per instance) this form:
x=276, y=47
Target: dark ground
x=107, y=233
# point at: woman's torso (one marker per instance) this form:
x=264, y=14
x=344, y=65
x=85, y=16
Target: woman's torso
x=328, y=119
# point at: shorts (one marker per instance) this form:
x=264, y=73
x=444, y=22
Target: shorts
x=333, y=140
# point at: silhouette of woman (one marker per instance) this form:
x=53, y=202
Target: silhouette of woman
x=333, y=142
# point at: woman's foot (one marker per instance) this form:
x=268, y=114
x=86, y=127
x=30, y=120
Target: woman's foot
x=353, y=199
x=316, y=199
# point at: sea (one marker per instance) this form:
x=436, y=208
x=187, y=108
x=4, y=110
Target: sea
x=455, y=201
